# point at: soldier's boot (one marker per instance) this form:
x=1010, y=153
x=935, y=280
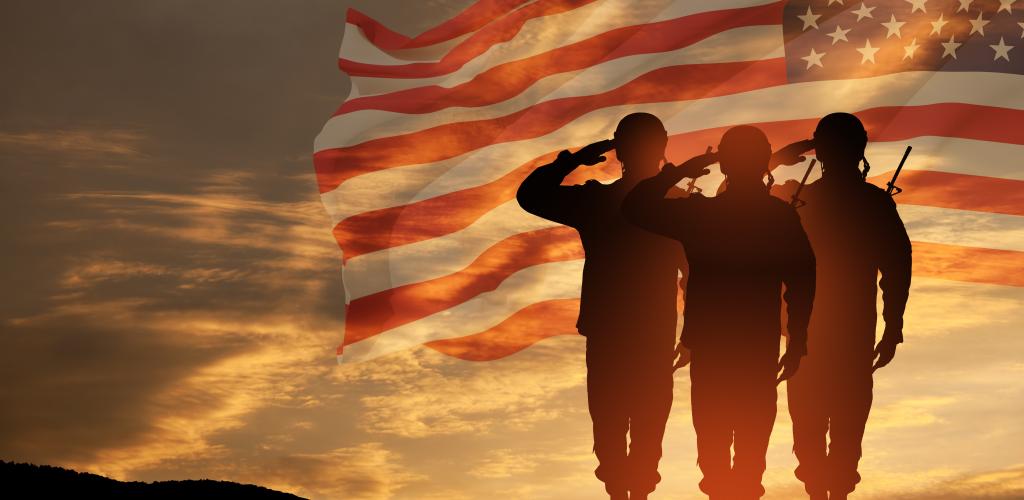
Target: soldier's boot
x=616, y=492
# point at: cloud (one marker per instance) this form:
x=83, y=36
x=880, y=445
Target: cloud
x=189, y=313
x=999, y=484
x=423, y=393
x=366, y=471
x=77, y=142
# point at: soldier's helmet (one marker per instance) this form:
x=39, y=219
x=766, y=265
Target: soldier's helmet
x=840, y=135
x=744, y=150
x=640, y=138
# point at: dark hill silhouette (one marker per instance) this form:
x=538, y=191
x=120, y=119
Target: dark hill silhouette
x=44, y=481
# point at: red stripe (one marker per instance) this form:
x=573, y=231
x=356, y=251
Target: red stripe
x=526, y=327
x=499, y=31
x=334, y=166
x=510, y=79
x=390, y=227
x=370, y=315
x=959, y=191
x=976, y=265
x=471, y=19
x=557, y=317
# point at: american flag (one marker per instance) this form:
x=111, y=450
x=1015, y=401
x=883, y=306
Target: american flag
x=419, y=166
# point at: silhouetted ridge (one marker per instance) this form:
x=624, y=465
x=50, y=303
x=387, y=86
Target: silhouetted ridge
x=44, y=481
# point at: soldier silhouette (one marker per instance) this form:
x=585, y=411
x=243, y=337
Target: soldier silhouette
x=627, y=305
x=856, y=233
x=742, y=246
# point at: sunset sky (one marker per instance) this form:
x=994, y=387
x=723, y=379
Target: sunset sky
x=172, y=296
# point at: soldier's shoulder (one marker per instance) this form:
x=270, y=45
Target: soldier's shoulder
x=781, y=209
x=877, y=194
x=778, y=204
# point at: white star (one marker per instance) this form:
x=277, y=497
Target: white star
x=918, y=4
x=949, y=48
x=978, y=25
x=864, y=11
x=937, y=25
x=1021, y=29
x=830, y=2
x=1006, y=4
x=840, y=34
x=1002, y=50
x=910, y=49
x=810, y=19
x=867, y=52
x=964, y=5
x=893, y=27
x=813, y=59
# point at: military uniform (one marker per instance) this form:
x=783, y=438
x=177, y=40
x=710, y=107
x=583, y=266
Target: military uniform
x=628, y=315
x=855, y=232
x=741, y=248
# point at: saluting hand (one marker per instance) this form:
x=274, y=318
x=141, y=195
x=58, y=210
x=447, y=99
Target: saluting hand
x=696, y=166
x=592, y=154
x=793, y=153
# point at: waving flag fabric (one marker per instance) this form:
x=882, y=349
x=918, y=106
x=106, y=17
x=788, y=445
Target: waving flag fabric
x=418, y=167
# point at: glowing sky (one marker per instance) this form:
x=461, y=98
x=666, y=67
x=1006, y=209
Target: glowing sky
x=172, y=296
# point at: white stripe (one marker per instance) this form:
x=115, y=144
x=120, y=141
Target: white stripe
x=371, y=273
x=538, y=35
x=429, y=259
x=356, y=47
x=411, y=183
x=558, y=280
x=963, y=227
x=741, y=44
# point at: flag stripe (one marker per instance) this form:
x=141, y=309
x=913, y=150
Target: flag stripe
x=970, y=264
x=544, y=34
x=497, y=94
x=446, y=254
x=547, y=319
x=400, y=305
x=471, y=19
x=511, y=78
x=772, y=104
x=449, y=140
x=560, y=280
x=501, y=30
x=557, y=280
x=526, y=327
x=965, y=192
x=966, y=156
x=375, y=230
x=397, y=306
x=542, y=24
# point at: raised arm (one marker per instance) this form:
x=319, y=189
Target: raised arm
x=646, y=205
x=542, y=194
x=895, y=267
x=791, y=154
